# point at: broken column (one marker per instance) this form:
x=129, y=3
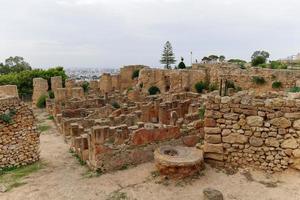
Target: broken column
x=56, y=82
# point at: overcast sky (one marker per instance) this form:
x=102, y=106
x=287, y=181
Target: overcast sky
x=112, y=33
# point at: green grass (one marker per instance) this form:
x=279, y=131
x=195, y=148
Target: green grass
x=117, y=195
x=51, y=117
x=43, y=128
x=81, y=162
x=13, y=177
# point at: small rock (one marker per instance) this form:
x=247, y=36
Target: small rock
x=3, y=188
x=212, y=194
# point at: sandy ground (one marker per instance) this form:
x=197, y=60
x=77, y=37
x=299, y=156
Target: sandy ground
x=63, y=178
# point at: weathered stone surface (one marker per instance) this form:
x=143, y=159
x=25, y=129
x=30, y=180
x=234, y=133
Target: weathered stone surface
x=296, y=164
x=214, y=139
x=214, y=156
x=254, y=121
x=289, y=144
x=255, y=141
x=281, y=122
x=212, y=194
x=209, y=122
x=272, y=142
x=296, y=124
x=231, y=116
x=295, y=115
x=212, y=148
x=296, y=153
x=210, y=130
x=235, y=138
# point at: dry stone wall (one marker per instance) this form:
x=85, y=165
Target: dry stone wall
x=248, y=130
x=19, y=139
x=40, y=87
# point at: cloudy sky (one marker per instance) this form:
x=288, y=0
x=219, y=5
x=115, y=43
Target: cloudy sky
x=112, y=33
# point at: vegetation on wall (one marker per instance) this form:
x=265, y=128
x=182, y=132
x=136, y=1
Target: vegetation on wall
x=135, y=74
x=276, y=84
x=41, y=102
x=153, y=90
x=294, y=89
x=86, y=86
x=116, y=105
x=200, y=86
x=7, y=117
x=24, y=79
x=258, y=80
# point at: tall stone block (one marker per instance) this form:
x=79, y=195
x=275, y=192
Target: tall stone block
x=56, y=82
x=9, y=90
x=40, y=87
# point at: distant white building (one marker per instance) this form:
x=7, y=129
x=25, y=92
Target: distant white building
x=293, y=58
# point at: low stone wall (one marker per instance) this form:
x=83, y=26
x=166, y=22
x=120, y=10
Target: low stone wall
x=19, y=139
x=9, y=90
x=248, y=130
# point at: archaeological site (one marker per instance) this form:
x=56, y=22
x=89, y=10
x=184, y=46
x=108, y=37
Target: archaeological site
x=188, y=124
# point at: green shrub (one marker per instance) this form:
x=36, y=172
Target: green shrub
x=116, y=105
x=153, y=90
x=86, y=86
x=276, y=84
x=141, y=85
x=258, y=80
x=135, y=74
x=129, y=89
x=277, y=65
x=294, y=89
x=51, y=94
x=201, y=112
x=24, y=79
x=230, y=84
x=41, y=103
x=258, y=60
x=7, y=117
x=200, y=86
x=213, y=87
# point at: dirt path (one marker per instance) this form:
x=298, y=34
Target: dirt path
x=63, y=178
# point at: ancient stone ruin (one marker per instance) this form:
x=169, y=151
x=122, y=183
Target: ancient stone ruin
x=19, y=139
x=117, y=124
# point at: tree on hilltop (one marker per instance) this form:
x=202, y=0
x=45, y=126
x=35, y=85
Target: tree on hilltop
x=168, y=56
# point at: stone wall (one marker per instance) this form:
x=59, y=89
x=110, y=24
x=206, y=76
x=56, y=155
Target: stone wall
x=126, y=80
x=171, y=80
x=19, y=139
x=248, y=130
x=243, y=77
x=56, y=82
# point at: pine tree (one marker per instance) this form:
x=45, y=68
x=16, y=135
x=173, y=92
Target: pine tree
x=168, y=57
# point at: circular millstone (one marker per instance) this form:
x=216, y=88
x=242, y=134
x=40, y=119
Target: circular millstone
x=178, y=161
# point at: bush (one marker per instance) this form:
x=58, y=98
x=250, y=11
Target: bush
x=86, y=86
x=41, y=103
x=276, y=84
x=135, y=74
x=24, y=80
x=7, y=117
x=258, y=60
x=258, y=80
x=153, y=90
x=230, y=84
x=200, y=86
x=201, y=112
x=116, y=105
x=213, y=87
x=277, y=65
x=51, y=94
x=294, y=89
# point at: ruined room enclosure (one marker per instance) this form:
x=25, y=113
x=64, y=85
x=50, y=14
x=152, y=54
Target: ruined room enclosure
x=111, y=132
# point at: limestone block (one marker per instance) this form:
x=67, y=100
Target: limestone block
x=281, y=122
x=289, y=144
x=255, y=121
x=255, y=141
x=235, y=138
